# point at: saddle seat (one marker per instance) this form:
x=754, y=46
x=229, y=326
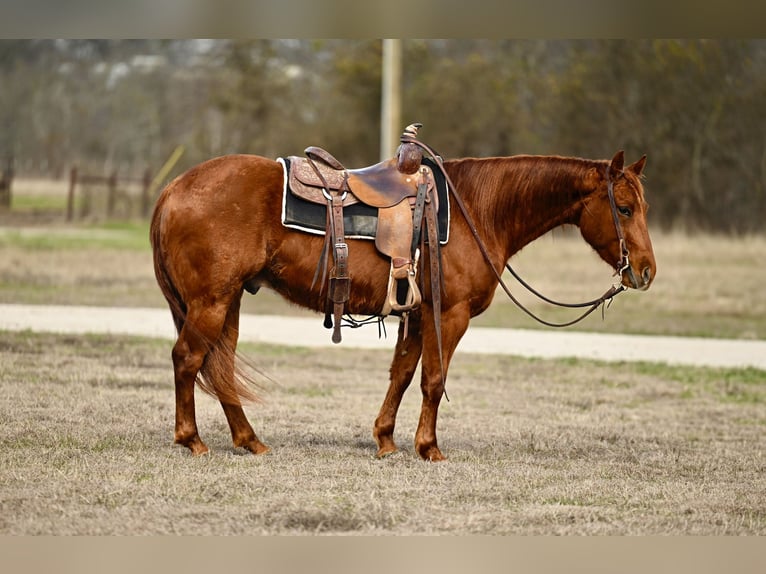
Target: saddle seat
x=380, y=185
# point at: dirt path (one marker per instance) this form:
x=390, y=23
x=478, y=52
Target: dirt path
x=310, y=333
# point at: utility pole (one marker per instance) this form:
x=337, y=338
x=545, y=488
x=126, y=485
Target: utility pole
x=391, y=98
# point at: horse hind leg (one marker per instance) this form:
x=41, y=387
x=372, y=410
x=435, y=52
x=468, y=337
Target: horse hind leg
x=406, y=358
x=242, y=433
x=191, y=354
x=188, y=356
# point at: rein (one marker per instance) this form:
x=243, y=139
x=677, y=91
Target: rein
x=622, y=265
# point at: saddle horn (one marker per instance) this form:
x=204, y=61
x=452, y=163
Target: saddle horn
x=409, y=156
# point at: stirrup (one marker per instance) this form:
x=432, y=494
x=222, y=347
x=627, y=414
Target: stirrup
x=413, y=298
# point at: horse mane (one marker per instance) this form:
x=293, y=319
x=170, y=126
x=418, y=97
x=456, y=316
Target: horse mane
x=513, y=184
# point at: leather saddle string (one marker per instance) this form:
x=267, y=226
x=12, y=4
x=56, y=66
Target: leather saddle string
x=334, y=226
x=322, y=264
x=417, y=215
x=458, y=200
x=339, y=289
x=434, y=263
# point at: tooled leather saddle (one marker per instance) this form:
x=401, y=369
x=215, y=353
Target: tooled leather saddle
x=401, y=189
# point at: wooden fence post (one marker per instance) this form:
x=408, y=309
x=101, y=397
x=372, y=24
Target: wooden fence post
x=111, y=194
x=147, y=180
x=5, y=191
x=5, y=184
x=70, y=195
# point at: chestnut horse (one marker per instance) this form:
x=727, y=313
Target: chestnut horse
x=216, y=231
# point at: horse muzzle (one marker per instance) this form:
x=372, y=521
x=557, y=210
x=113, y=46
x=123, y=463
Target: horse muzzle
x=640, y=282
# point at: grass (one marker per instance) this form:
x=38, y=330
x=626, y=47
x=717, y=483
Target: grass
x=534, y=447
x=39, y=196
x=128, y=236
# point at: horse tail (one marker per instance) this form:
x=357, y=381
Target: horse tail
x=214, y=376
x=165, y=282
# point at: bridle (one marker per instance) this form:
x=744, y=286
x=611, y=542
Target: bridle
x=622, y=266
x=624, y=263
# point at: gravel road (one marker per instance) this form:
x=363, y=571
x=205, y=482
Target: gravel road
x=310, y=333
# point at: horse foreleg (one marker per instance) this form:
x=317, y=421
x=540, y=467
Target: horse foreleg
x=406, y=357
x=453, y=326
x=242, y=433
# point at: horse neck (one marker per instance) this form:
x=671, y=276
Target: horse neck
x=520, y=198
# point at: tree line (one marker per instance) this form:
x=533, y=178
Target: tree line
x=697, y=108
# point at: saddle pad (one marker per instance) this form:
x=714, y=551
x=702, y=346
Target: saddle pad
x=360, y=221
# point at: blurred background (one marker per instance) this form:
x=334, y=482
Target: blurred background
x=126, y=109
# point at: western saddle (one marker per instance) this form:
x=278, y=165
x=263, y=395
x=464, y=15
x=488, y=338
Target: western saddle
x=402, y=190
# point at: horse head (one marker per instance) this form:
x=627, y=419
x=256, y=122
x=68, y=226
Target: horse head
x=613, y=221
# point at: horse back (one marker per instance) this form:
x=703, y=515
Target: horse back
x=231, y=179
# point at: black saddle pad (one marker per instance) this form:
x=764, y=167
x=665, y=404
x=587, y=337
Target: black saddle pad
x=359, y=221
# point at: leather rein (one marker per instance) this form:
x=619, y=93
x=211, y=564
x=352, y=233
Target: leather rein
x=622, y=266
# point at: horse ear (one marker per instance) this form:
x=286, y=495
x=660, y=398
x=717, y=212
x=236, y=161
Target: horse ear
x=618, y=161
x=638, y=167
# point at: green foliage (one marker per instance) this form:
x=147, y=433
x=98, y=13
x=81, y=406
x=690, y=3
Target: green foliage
x=132, y=236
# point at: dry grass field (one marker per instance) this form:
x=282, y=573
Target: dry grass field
x=534, y=446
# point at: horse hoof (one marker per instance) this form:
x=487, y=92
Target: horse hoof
x=431, y=454
x=194, y=444
x=384, y=452
x=198, y=449
x=258, y=448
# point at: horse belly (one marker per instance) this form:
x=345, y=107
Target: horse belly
x=296, y=263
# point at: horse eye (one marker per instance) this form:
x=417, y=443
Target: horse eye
x=624, y=210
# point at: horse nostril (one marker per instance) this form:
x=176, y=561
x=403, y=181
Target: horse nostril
x=646, y=275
